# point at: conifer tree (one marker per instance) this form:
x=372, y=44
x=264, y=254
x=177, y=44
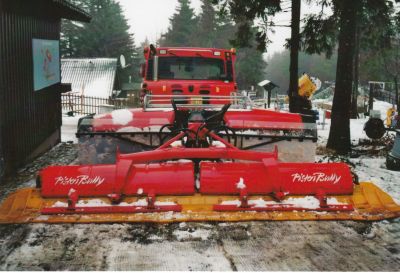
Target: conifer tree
x=182, y=26
x=206, y=28
x=107, y=35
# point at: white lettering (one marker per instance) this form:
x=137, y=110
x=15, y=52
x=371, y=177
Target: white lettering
x=79, y=180
x=317, y=177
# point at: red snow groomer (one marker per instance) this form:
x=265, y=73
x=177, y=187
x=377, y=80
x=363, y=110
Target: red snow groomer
x=196, y=151
x=196, y=174
x=203, y=80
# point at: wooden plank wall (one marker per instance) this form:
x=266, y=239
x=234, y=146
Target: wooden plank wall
x=27, y=117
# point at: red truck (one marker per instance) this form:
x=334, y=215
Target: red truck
x=188, y=71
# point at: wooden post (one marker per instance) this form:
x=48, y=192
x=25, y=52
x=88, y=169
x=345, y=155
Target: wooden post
x=371, y=97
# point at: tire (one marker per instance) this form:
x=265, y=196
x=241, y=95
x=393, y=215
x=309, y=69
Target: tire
x=374, y=128
x=392, y=163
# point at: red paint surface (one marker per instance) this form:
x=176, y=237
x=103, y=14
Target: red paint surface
x=263, y=119
x=129, y=179
x=216, y=87
x=273, y=176
x=264, y=175
x=247, y=120
x=139, y=119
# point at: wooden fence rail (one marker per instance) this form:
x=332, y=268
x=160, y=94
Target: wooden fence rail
x=79, y=104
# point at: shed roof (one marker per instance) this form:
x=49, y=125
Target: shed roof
x=96, y=77
x=71, y=11
x=48, y=8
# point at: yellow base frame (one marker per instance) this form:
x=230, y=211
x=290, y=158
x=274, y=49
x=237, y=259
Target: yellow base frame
x=369, y=201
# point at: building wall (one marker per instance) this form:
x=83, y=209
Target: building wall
x=28, y=118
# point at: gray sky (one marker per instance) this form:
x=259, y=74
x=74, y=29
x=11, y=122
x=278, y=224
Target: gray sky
x=150, y=18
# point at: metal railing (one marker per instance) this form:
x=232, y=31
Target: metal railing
x=196, y=101
x=85, y=105
x=385, y=95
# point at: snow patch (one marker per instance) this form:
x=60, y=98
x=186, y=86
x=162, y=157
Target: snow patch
x=101, y=203
x=197, y=183
x=121, y=116
x=181, y=235
x=42, y=218
x=129, y=129
x=218, y=144
x=177, y=143
x=92, y=203
x=184, y=160
x=59, y=204
x=231, y=202
x=68, y=128
x=307, y=202
x=154, y=128
x=155, y=237
x=241, y=185
x=334, y=201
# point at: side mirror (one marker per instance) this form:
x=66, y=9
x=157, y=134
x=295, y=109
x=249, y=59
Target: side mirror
x=142, y=70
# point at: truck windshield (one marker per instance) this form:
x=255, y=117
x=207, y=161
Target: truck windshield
x=191, y=68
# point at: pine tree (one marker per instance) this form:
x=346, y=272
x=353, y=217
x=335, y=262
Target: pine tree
x=182, y=26
x=250, y=67
x=107, y=35
x=320, y=33
x=206, y=29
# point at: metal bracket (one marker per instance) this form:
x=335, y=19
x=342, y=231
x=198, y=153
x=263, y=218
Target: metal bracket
x=150, y=207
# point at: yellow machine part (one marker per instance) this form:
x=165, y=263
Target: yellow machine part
x=389, y=114
x=370, y=204
x=306, y=86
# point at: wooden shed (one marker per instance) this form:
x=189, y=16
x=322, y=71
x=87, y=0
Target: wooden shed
x=30, y=77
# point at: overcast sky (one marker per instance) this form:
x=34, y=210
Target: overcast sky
x=148, y=19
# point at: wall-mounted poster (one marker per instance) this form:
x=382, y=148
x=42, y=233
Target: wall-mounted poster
x=46, y=63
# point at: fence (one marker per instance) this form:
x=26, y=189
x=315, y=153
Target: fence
x=385, y=95
x=85, y=105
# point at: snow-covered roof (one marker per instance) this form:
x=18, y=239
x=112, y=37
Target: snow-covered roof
x=267, y=82
x=264, y=82
x=95, y=76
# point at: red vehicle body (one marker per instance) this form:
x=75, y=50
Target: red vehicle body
x=188, y=71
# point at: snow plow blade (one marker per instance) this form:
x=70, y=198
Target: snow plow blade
x=367, y=203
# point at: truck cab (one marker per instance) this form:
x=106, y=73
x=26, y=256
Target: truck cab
x=188, y=71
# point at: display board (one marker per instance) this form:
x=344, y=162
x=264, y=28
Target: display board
x=46, y=63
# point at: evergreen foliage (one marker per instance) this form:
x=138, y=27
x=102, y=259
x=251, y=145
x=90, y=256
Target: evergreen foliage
x=106, y=36
x=314, y=65
x=213, y=29
x=182, y=26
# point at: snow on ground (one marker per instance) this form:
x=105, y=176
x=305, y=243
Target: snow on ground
x=367, y=168
x=356, y=130
x=69, y=128
x=356, y=125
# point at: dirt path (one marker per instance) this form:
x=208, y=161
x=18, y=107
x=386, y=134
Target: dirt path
x=307, y=246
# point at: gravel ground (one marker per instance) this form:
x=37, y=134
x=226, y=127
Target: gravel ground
x=277, y=246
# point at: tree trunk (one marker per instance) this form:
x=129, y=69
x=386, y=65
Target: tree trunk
x=396, y=88
x=339, y=135
x=294, y=55
x=354, y=110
